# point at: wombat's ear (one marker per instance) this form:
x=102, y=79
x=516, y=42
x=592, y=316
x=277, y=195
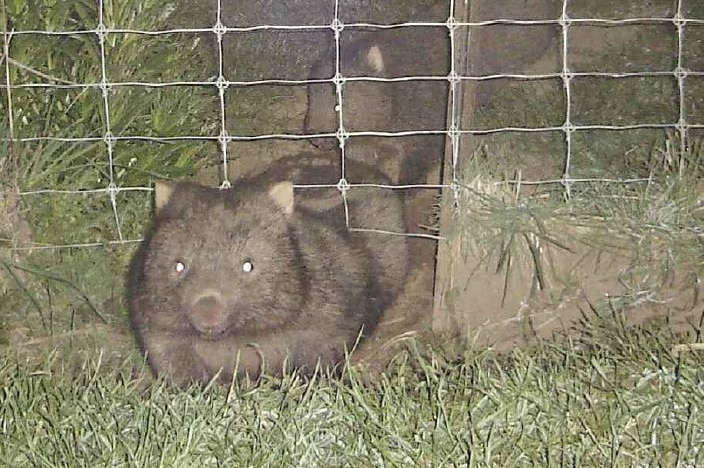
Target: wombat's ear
x=163, y=192
x=375, y=59
x=282, y=195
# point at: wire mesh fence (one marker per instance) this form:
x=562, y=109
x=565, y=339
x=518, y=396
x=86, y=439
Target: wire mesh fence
x=683, y=20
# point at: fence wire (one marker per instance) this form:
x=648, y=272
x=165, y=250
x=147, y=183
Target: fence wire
x=454, y=129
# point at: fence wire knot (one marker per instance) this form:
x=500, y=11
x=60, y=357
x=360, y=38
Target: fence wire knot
x=102, y=32
x=339, y=79
x=681, y=73
x=112, y=191
x=221, y=83
x=454, y=132
x=567, y=181
x=219, y=29
x=223, y=138
x=453, y=78
x=343, y=186
x=342, y=135
x=337, y=26
x=105, y=89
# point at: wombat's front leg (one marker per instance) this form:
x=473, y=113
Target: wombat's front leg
x=270, y=354
x=175, y=359
x=302, y=350
x=250, y=356
x=226, y=354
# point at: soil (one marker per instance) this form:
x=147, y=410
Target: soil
x=486, y=306
x=580, y=280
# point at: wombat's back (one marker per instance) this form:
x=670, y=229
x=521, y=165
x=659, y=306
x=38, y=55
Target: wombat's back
x=369, y=208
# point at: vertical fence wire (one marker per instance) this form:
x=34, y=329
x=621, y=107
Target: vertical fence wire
x=105, y=89
x=454, y=130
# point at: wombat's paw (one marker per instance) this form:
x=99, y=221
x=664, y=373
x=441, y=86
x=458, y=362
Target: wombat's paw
x=250, y=361
x=200, y=376
x=188, y=374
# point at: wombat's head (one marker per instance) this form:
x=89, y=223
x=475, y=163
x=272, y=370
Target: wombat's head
x=222, y=261
x=362, y=99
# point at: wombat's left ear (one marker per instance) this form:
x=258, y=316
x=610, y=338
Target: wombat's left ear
x=163, y=192
x=282, y=195
x=375, y=59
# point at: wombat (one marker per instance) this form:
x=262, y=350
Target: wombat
x=260, y=276
x=386, y=106
x=419, y=104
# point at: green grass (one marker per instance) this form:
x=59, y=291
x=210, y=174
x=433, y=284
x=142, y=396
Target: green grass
x=635, y=243
x=54, y=291
x=613, y=397
x=72, y=389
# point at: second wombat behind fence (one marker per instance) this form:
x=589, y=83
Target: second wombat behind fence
x=255, y=276
x=419, y=104
x=386, y=106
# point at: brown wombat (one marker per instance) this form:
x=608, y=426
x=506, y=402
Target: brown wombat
x=386, y=106
x=254, y=277
x=418, y=105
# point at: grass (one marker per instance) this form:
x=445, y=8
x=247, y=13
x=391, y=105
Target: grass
x=636, y=244
x=73, y=391
x=53, y=291
x=612, y=397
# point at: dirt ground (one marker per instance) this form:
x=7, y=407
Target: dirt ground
x=489, y=306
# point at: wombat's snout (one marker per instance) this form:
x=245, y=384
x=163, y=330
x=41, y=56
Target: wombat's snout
x=207, y=314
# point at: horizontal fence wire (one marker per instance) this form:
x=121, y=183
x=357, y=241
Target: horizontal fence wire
x=452, y=130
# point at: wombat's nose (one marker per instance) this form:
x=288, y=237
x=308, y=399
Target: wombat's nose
x=208, y=314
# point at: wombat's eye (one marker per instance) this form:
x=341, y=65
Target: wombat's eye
x=180, y=267
x=247, y=266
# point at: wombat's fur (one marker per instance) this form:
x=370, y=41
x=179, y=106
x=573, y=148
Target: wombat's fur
x=417, y=105
x=256, y=274
x=386, y=106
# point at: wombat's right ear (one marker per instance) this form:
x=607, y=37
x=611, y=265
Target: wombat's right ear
x=163, y=192
x=282, y=195
x=375, y=59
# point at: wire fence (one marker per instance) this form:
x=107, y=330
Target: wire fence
x=459, y=32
